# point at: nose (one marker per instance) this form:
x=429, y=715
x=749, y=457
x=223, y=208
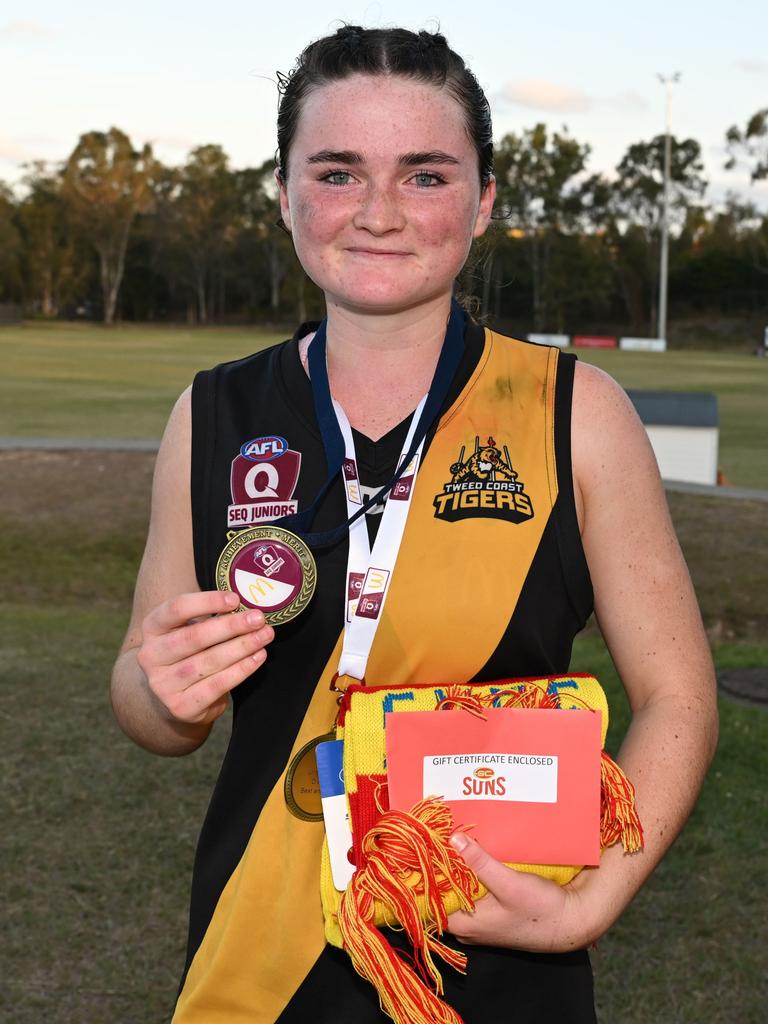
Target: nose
x=380, y=211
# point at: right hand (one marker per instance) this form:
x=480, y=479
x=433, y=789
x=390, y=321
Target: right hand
x=193, y=653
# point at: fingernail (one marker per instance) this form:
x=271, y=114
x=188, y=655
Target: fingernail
x=459, y=842
x=255, y=619
x=232, y=599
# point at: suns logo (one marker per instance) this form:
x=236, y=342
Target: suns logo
x=484, y=782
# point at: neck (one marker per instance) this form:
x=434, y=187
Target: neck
x=406, y=339
x=380, y=367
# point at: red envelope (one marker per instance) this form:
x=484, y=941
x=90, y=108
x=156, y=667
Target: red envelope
x=528, y=780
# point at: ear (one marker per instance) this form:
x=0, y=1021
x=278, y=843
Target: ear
x=485, y=209
x=285, y=211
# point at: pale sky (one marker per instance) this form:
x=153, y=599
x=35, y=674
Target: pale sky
x=184, y=74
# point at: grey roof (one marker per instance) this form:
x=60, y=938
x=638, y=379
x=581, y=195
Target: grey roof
x=676, y=408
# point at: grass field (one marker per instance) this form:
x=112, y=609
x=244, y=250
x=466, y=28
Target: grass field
x=74, y=380
x=98, y=837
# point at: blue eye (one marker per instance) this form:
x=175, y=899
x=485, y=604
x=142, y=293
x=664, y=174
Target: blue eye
x=337, y=177
x=426, y=179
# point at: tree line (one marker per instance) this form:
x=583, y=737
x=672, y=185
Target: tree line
x=113, y=233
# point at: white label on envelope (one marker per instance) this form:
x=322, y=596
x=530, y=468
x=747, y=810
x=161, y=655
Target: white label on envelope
x=527, y=778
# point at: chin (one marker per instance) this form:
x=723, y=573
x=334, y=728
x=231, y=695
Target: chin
x=383, y=304
x=384, y=298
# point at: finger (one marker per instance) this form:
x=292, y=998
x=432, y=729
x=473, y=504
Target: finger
x=194, y=637
x=179, y=610
x=196, y=703
x=492, y=873
x=216, y=659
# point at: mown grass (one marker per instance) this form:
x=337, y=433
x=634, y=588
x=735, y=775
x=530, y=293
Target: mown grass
x=98, y=836
x=691, y=948
x=76, y=380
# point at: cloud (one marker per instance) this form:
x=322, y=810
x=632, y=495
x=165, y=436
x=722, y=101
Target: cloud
x=24, y=28
x=629, y=102
x=542, y=95
x=753, y=67
x=11, y=150
x=539, y=94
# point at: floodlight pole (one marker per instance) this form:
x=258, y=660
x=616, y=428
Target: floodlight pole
x=667, y=81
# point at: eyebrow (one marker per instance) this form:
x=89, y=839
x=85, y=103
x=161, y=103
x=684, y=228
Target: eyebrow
x=431, y=156
x=334, y=156
x=348, y=156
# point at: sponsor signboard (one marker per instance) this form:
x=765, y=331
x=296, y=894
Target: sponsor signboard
x=594, y=341
x=643, y=344
x=559, y=340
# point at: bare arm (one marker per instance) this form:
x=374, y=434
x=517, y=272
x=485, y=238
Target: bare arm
x=648, y=614
x=182, y=653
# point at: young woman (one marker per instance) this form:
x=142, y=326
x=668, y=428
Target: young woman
x=385, y=179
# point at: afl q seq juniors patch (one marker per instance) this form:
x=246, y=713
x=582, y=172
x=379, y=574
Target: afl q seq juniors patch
x=483, y=485
x=263, y=478
x=268, y=568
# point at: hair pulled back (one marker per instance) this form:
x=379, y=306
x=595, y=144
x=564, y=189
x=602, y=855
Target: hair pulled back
x=421, y=56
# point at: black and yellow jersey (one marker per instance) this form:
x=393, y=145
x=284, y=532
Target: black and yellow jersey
x=490, y=582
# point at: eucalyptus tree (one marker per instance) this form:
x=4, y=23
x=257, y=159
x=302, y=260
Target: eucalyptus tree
x=635, y=208
x=537, y=180
x=10, y=247
x=52, y=264
x=203, y=224
x=750, y=145
x=108, y=183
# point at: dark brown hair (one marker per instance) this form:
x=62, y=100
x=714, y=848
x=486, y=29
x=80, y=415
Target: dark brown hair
x=421, y=56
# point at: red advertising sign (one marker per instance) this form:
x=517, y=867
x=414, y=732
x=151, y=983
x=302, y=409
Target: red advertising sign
x=594, y=341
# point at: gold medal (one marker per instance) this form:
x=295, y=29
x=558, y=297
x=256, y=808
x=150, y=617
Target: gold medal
x=268, y=568
x=302, y=786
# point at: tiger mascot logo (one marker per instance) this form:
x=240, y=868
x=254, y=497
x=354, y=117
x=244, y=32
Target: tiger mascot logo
x=484, y=484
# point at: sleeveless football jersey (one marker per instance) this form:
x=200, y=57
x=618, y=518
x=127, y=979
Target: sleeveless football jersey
x=490, y=582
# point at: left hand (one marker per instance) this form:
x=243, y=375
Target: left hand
x=521, y=910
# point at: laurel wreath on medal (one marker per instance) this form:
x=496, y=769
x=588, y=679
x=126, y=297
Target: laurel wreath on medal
x=239, y=540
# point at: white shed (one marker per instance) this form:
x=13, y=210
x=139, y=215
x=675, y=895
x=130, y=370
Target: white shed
x=683, y=428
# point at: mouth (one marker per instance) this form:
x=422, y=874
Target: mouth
x=384, y=253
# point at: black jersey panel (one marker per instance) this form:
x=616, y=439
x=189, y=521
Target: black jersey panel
x=556, y=599
x=501, y=986
x=237, y=402
x=576, y=578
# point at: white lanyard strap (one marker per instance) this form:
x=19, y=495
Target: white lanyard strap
x=369, y=572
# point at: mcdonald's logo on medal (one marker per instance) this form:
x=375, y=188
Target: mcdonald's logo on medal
x=270, y=569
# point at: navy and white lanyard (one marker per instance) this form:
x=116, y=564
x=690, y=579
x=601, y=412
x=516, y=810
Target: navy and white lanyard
x=369, y=573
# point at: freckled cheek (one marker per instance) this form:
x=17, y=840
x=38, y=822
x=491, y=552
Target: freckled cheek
x=440, y=236
x=447, y=226
x=318, y=222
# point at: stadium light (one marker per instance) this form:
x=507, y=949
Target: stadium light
x=667, y=81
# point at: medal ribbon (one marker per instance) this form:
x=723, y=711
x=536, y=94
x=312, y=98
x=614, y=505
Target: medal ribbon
x=369, y=573
x=333, y=440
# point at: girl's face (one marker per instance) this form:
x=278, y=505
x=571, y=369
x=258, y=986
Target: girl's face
x=383, y=196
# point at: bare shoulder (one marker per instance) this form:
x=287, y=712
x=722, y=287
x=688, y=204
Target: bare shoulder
x=602, y=411
x=610, y=449
x=168, y=566
x=178, y=430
